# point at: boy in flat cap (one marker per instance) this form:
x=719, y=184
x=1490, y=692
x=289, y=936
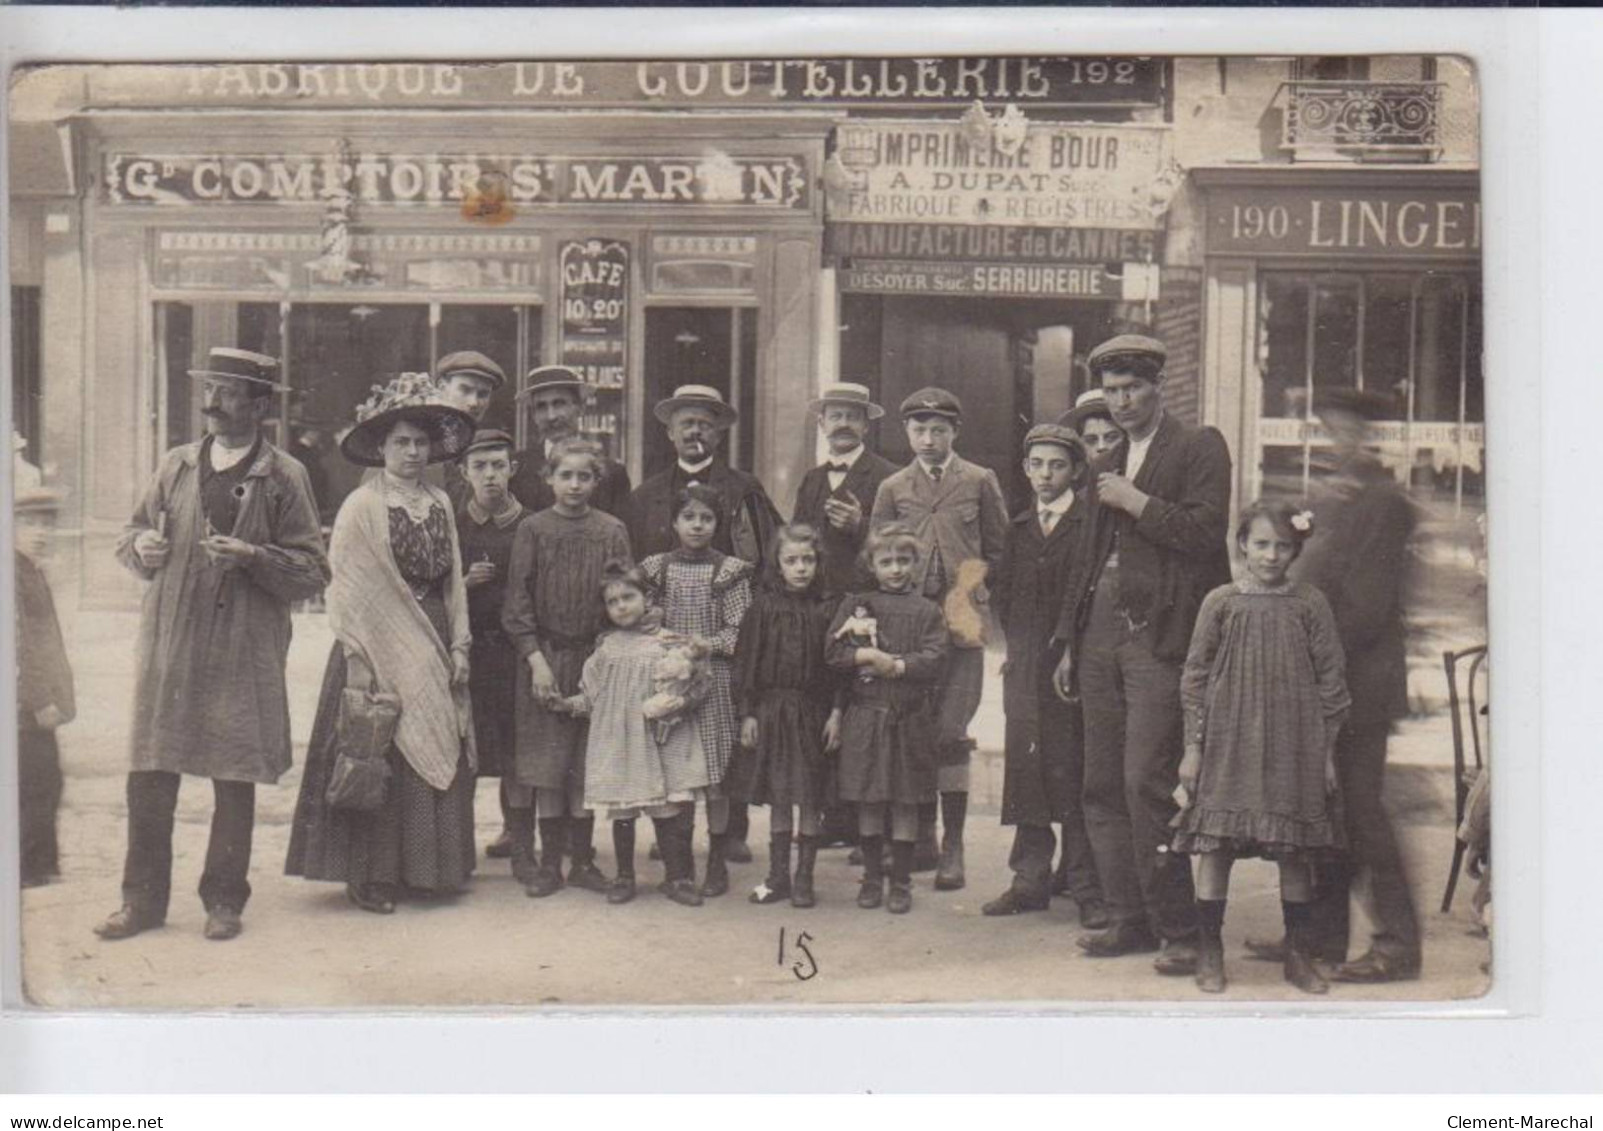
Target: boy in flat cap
x=226, y=533
x=1045, y=748
x=1156, y=547
x=956, y=509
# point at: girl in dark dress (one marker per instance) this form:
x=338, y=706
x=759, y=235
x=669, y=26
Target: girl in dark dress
x=398, y=608
x=887, y=746
x=790, y=719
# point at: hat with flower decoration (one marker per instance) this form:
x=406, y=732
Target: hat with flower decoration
x=412, y=397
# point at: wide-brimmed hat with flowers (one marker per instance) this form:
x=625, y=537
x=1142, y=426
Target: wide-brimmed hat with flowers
x=413, y=397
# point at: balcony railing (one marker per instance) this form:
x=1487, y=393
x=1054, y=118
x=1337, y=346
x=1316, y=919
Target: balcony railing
x=1362, y=119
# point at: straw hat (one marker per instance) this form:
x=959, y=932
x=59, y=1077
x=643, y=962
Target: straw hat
x=697, y=396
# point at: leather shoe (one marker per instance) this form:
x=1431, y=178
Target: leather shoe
x=1266, y=951
x=1179, y=959
x=949, y=875
x=1094, y=915
x=501, y=847
x=1376, y=967
x=222, y=924
x=1211, y=967
x=126, y=922
x=1117, y=941
x=1013, y=902
x=900, y=899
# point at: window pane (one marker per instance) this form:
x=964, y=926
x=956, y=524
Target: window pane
x=1336, y=302
x=1283, y=344
x=1386, y=328
x=1439, y=352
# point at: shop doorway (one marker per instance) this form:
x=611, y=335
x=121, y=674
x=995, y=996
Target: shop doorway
x=701, y=345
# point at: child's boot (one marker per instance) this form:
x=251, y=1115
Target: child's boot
x=776, y=888
x=622, y=888
x=546, y=879
x=801, y=889
x=900, y=900
x=582, y=870
x=954, y=812
x=716, y=881
x=682, y=888
x=519, y=835
x=1210, y=946
x=1299, y=969
x=872, y=892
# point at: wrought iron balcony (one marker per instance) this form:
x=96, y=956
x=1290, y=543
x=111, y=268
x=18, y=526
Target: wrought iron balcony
x=1357, y=119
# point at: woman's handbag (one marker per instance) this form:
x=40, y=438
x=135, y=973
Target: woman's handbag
x=363, y=734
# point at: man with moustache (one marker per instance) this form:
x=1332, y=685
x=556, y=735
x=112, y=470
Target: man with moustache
x=227, y=535
x=554, y=397
x=697, y=418
x=835, y=497
x=1156, y=546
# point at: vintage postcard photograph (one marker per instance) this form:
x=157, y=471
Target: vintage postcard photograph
x=831, y=531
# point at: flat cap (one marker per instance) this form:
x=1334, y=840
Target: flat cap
x=488, y=438
x=470, y=363
x=544, y=377
x=1056, y=434
x=1360, y=402
x=932, y=402
x=1126, y=349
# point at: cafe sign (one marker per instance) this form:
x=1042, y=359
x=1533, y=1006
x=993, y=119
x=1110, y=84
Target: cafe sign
x=711, y=180
x=1040, y=81
x=1423, y=222
x=594, y=279
x=1061, y=176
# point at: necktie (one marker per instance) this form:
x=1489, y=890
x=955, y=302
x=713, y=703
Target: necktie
x=1049, y=519
x=936, y=473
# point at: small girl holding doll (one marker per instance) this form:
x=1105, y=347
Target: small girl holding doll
x=790, y=717
x=633, y=765
x=887, y=757
x=704, y=595
x=1264, y=696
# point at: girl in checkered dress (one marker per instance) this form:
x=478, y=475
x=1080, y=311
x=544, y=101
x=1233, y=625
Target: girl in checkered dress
x=704, y=593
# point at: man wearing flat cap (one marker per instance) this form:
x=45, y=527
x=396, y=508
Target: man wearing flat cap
x=697, y=417
x=467, y=380
x=553, y=395
x=227, y=535
x=1156, y=546
x=1359, y=559
x=835, y=497
x=957, y=510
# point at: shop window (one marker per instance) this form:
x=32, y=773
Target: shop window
x=1414, y=337
x=25, y=369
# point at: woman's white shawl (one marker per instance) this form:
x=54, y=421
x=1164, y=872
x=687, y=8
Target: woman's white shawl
x=374, y=615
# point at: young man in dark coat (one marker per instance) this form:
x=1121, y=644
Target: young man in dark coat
x=1045, y=749
x=1156, y=546
x=467, y=380
x=553, y=395
x=1359, y=560
x=835, y=497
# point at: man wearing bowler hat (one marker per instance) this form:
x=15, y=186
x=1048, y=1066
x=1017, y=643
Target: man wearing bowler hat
x=956, y=509
x=226, y=533
x=697, y=417
x=1156, y=546
x=835, y=497
x=554, y=398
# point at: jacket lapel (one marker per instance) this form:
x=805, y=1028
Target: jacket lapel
x=954, y=471
x=1162, y=441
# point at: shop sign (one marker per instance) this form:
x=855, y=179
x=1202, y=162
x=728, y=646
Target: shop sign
x=1056, y=176
x=907, y=83
x=922, y=277
x=594, y=281
x=457, y=180
x=1284, y=431
x=1003, y=243
x=1412, y=223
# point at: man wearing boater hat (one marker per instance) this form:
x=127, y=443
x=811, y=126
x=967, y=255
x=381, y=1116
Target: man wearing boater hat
x=1156, y=546
x=227, y=535
x=554, y=398
x=697, y=417
x=836, y=496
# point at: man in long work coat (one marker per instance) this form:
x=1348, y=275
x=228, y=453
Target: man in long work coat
x=227, y=535
x=1359, y=559
x=1044, y=751
x=1156, y=547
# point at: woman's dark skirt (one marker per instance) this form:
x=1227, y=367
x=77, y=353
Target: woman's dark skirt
x=422, y=837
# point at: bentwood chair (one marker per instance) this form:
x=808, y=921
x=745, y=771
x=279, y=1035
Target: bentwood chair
x=1465, y=668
